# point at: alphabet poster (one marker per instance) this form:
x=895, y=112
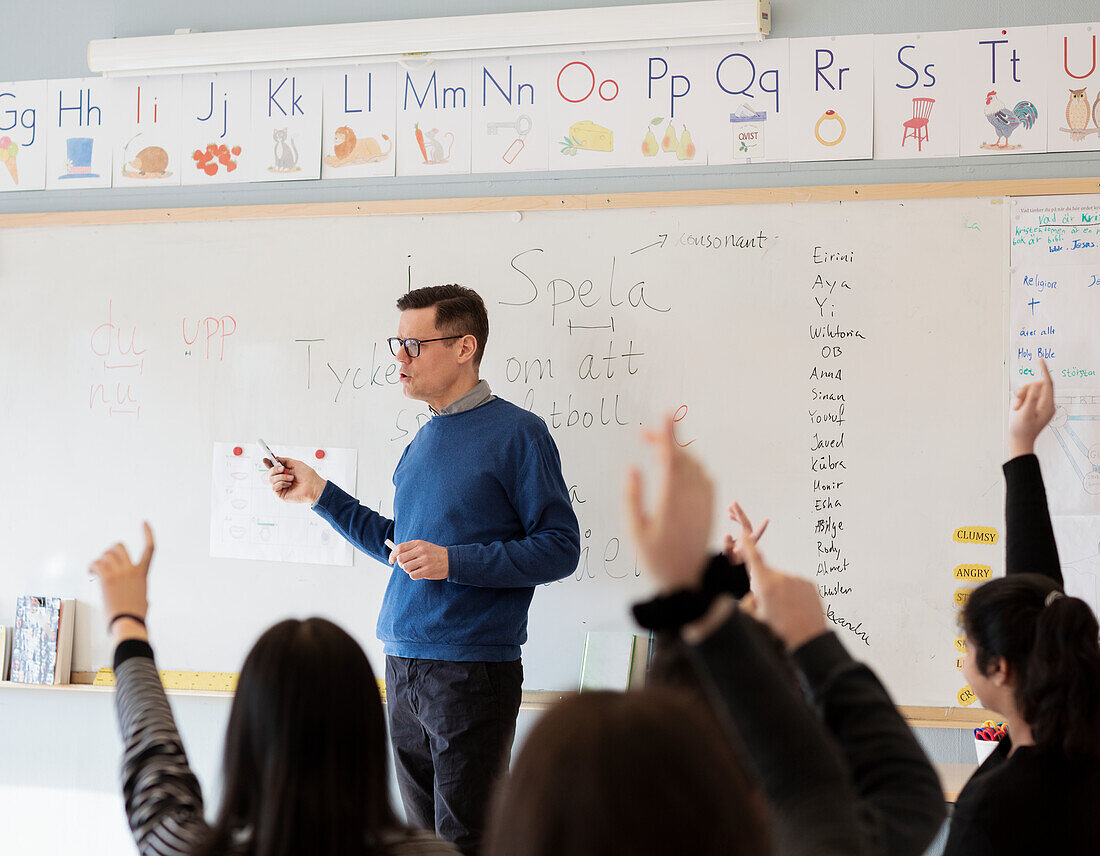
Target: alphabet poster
x=433, y=119
x=1073, y=78
x=78, y=147
x=892, y=96
x=598, y=113
x=147, y=138
x=679, y=114
x=916, y=96
x=286, y=125
x=510, y=99
x=358, y=128
x=832, y=98
x=22, y=137
x=216, y=127
x=1003, y=95
x=750, y=102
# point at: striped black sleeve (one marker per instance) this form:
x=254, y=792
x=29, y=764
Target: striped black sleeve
x=162, y=796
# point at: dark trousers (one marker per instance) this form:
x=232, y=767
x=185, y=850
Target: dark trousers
x=451, y=725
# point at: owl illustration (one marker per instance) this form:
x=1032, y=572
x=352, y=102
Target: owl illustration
x=1077, y=110
x=1095, y=111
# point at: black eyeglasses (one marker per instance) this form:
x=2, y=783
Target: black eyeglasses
x=412, y=346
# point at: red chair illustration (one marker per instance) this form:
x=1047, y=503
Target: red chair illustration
x=917, y=127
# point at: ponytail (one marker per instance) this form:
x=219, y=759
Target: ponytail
x=1052, y=644
x=1060, y=697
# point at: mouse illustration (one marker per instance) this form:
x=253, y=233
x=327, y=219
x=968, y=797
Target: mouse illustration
x=435, y=148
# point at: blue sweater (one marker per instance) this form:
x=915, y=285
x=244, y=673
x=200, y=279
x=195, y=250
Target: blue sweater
x=487, y=485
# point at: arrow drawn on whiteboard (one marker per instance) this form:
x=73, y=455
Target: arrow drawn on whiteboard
x=975, y=227
x=647, y=246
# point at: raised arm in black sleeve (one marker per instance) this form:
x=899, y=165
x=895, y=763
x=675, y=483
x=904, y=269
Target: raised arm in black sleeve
x=1029, y=536
x=813, y=803
x=901, y=804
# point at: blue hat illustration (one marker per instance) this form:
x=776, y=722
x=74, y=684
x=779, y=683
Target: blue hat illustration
x=79, y=158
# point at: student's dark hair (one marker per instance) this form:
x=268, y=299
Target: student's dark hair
x=1051, y=644
x=305, y=767
x=647, y=773
x=459, y=311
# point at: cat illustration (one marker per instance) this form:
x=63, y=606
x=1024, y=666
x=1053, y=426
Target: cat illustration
x=435, y=148
x=286, y=157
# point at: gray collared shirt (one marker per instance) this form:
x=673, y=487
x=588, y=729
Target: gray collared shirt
x=474, y=398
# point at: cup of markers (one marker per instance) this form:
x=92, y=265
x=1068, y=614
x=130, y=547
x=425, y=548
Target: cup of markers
x=987, y=737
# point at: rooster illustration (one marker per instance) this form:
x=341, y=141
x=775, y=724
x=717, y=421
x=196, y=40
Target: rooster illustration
x=1006, y=121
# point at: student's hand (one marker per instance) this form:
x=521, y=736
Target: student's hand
x=124, y=585
x=1032, y=410
x=788, y=605
x=422, y=560
x=673, y=539
x=294, y=481
x=730, y=544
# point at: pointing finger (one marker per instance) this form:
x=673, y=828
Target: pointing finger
x=147, y=554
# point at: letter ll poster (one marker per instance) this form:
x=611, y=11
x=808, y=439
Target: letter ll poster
x=358, y=128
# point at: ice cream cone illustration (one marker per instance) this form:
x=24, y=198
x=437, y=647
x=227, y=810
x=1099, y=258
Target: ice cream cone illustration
x=8, y=151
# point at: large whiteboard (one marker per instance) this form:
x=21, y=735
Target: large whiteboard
x=601, y=321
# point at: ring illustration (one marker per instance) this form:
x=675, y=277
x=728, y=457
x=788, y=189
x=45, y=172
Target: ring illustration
x=830, y=116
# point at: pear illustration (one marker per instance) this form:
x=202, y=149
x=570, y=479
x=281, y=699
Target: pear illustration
x=686, y=149
x=668, y=144
x=649, y=144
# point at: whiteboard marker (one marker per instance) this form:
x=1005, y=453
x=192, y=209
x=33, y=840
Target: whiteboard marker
x=270, y=454
x=391, y=545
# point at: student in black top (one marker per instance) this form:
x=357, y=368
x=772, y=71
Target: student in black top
x=864, y=788
x=1033, y=657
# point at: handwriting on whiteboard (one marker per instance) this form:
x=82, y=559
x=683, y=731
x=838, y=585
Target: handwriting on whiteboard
x=115, y=346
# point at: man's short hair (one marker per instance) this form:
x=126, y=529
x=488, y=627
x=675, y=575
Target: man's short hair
x=459, y=311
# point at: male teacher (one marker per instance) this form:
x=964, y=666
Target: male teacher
x=481, y=516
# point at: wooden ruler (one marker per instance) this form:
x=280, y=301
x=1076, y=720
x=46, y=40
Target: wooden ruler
x=175, y=679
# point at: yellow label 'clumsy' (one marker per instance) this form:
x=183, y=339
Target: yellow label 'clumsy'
x=973, y=572
x=960, y=644
x=966, y=696
x=962, y=596
x=975, y=535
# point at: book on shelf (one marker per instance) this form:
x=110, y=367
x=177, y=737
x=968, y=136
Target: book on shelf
x=5, y=652
x=608, y=661
x=42, y=640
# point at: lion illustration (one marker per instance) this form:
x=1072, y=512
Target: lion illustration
x=349, y=150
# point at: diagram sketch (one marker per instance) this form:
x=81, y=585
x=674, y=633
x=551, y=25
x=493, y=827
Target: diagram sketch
x=247, y=520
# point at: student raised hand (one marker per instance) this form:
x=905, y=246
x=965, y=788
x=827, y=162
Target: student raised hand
x=294, y=481
x=789, y=605
x=730, y=544
x=673, y=538
x=1031, y=411
x=123, y=584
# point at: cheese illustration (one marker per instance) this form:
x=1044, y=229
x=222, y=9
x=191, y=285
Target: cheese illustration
x=590, y=136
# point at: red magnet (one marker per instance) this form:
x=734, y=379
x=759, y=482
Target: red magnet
x=238, y=451
x=320, y=453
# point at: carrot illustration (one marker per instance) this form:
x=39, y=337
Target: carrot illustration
x=420, y=141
